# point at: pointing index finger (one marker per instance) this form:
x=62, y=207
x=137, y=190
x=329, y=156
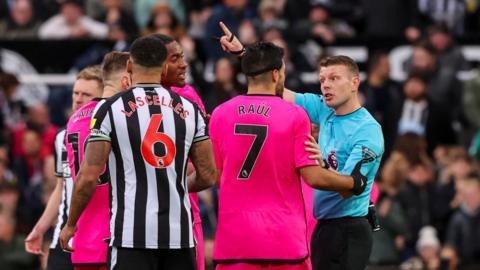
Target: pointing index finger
x=225, y=29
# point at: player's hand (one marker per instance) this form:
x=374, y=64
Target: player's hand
x=65, y=235
x=312, y=147
x=33, y=242
x=229, y=42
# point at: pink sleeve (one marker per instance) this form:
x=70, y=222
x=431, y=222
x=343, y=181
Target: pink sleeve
x=215, y=141
x=302, y=130
x=195, y=97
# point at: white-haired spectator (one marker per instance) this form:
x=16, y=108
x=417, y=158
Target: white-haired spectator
x=428, y=248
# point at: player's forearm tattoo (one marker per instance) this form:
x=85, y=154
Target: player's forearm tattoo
x=82, y=192
x=95, y=158
x=96, y=153
x=206, y=173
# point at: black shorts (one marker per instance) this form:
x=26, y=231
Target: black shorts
x=343, y=243
x=151, y=259
x=59, y=260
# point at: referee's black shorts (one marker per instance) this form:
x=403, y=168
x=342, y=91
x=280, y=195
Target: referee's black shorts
x=59, y=260
x=151, y=259
x=342, y=243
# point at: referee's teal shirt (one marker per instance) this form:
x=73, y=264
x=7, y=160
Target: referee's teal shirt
x=344, y=141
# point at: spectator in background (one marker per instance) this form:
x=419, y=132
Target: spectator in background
x=463, y=235
x=321, y=26
x=415, y=197
x=37, y=119
x=11, y=110
x=120, y=21
x=389, y=242
x=443, y=86
x=420, y=114
x=270, y=16
x=449, y=56
x=142, y=7
x=472, y=18
x=382, y=96
x=291, y=69
x=71, y=23
x=409, y=149
x=449, y=12
x=225, y=85
x=6, y=175
x=95, y=8
x=12, y=254
x=21, y=24
x=428, y=248
x=471, y=103
x=9, y=197
x=386, y=21
x=29, y=169
x=458, y=166
x=162, y=21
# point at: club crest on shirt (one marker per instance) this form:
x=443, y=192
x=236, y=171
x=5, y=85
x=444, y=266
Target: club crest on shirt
x=332, y=160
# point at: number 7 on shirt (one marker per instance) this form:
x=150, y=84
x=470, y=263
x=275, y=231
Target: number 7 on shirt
x=260, y=132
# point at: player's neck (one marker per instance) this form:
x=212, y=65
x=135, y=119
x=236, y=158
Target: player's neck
x=260, y=90
x=145, y=78
x=109, y=91
x=348, y=107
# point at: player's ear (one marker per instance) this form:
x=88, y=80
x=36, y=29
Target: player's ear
x=129, y=66
x=275, y=75
x=125, y=82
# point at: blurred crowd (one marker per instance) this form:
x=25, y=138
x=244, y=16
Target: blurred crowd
x=429, y=185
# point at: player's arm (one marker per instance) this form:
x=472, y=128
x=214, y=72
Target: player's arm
x=96, y=156
x=320, y=178
x=205, y=174
x=34, y=240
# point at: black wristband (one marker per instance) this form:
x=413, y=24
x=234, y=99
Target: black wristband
x=239, y=52
x=359, y=180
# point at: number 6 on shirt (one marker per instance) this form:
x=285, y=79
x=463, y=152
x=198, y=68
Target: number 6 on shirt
x=152, y=136
x=260, y=132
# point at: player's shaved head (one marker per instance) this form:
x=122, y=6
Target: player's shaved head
x=164, y=38
x=148, y=52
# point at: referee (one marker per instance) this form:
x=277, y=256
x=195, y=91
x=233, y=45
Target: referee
x=146, y=134
x=351, y=140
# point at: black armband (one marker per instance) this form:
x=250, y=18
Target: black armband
x=359, y=180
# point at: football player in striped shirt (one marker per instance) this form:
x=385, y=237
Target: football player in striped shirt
x=146, y=134
x=88, y=85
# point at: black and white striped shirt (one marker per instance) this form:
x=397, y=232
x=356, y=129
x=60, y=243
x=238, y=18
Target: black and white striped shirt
x=151, y=131
x=62, y=170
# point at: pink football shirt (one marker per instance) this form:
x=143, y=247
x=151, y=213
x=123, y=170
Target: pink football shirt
x=258, y=142
x=189, y=92
x=93, y=225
